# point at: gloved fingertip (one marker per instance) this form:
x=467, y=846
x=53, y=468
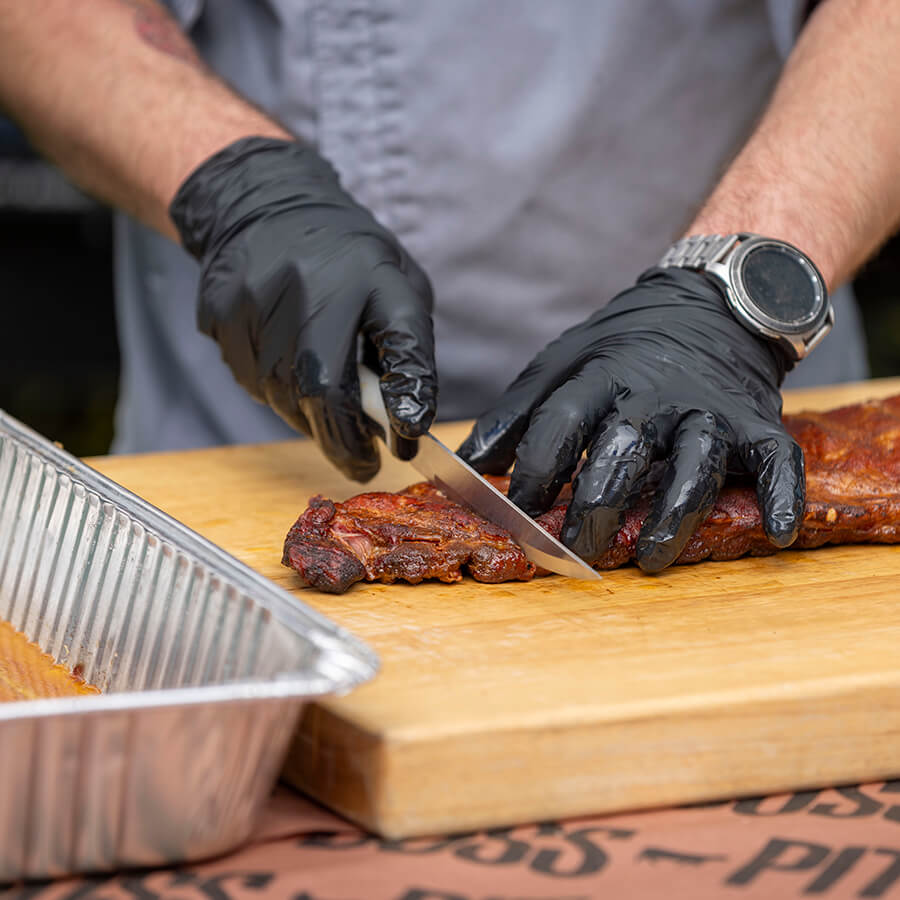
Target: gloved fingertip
x=583, y=542
x=588, y=533
x=359, y=461
x=483, y=457
x=403, y=448
x=410, y=417
x=781, y=529
x=360, y=470
x=782, y=506
x=780, y=486
x=653, y=556
x=533, y=495
x=468, y=449
x=492, y=442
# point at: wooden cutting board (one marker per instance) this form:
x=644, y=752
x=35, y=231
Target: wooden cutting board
x=519, y=702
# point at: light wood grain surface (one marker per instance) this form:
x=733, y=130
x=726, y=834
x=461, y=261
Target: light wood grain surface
x=501, y=704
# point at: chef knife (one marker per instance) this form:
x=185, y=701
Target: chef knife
x=459, y=481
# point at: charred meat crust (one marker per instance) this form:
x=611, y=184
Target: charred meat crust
x=852, y=459
x=319, y=560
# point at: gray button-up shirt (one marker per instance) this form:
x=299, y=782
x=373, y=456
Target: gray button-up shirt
x=534, y=155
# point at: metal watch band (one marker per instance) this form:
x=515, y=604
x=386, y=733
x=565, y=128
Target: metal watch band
x=721, y=256
x=699, y=250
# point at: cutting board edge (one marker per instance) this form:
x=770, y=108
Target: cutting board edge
x=807, y=745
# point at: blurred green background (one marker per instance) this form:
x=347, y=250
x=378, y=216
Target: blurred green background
x=58, y=341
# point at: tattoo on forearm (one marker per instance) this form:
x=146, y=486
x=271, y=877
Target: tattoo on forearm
x=157, y=28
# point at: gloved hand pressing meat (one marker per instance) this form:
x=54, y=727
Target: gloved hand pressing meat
x=664, y=372
x=293, y=270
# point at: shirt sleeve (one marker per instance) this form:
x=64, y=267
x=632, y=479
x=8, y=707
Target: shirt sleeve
x=188, y=11
x=787, y=18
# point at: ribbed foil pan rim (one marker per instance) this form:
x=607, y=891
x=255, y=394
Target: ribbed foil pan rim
x=281, y=604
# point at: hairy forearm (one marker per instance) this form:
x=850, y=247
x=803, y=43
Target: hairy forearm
x=822, y=169
x=114, y=93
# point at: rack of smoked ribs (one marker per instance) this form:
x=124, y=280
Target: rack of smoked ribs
x=852, y=457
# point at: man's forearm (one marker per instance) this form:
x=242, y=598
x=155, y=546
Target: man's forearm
x=822, y=169
x=117, y=96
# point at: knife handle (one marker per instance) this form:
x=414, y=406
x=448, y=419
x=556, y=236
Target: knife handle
x=372, y=401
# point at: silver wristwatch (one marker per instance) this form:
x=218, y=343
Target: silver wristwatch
x=773, y=289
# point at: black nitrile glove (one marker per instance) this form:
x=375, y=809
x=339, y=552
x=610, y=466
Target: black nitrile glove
x=664, y=372
x=293, y=271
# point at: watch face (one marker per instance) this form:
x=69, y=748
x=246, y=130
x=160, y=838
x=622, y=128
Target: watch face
x=782, y=285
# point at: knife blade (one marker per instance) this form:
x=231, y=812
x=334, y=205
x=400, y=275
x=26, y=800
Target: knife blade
x=460, y=482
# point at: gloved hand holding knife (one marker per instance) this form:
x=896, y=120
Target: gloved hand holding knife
x=293, y=271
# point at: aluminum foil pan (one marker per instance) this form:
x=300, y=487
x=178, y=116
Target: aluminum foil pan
x=204, y=666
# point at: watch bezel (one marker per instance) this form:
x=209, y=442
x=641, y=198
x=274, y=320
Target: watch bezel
x=745, y=306
x=723, y=257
